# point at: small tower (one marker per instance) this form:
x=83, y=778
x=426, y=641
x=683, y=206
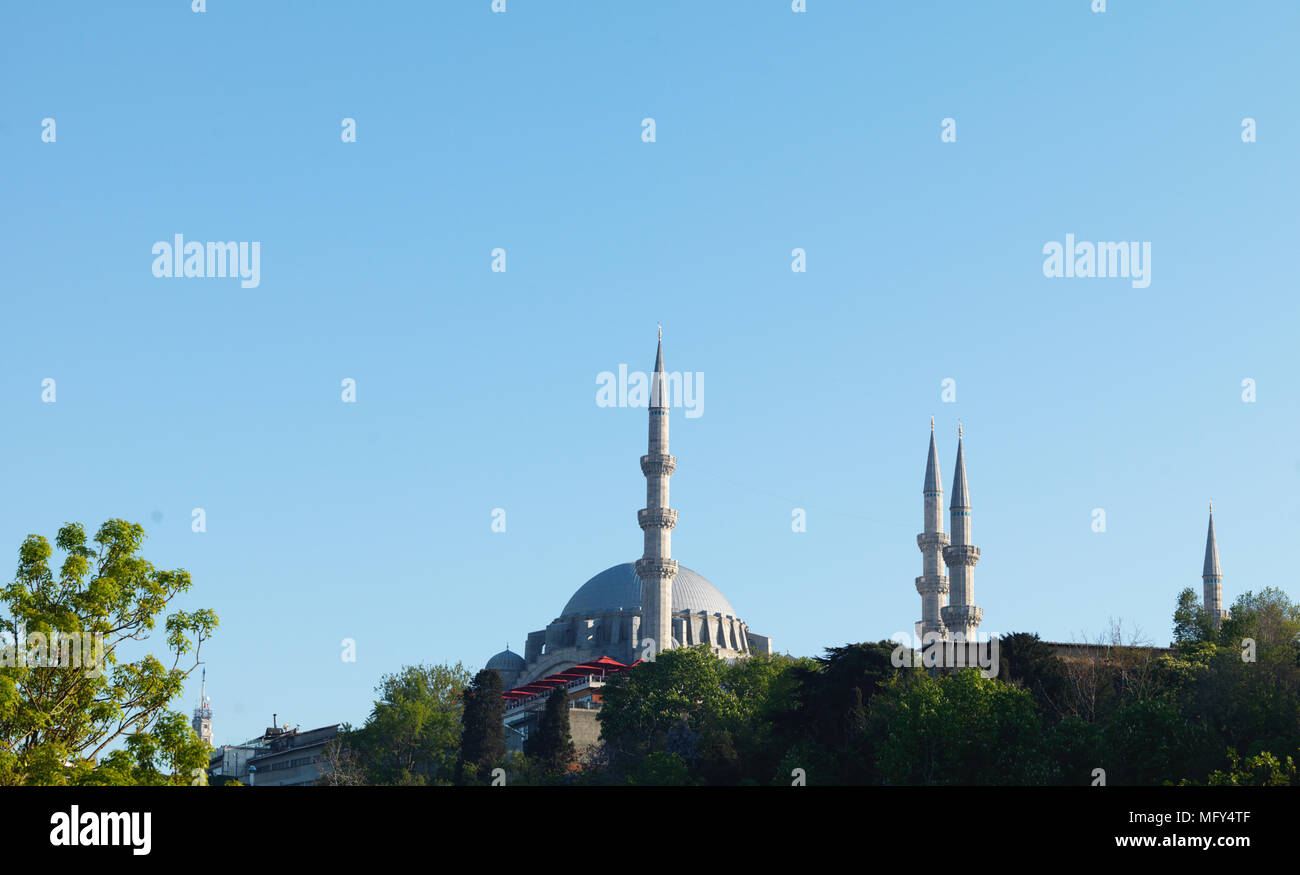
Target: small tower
x=656, y=568
x=1212, y=576
x=933, y=582
x=962, y=616
x=203, y=714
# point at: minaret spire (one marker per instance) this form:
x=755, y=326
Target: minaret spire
x=657, y=568
x=202, y=721
x=933, y=582
x=962, y=616
x=1212, y=576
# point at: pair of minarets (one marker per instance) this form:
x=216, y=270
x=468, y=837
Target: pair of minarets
x=948, y=606
x=656, y=568
x=948, y=609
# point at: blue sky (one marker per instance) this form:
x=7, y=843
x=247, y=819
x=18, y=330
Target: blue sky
x=476, y=389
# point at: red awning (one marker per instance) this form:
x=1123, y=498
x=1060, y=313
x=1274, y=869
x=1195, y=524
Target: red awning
x=603, y=666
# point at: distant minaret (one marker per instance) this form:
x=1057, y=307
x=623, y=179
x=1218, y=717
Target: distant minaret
x=656, y=568
x=1212, y=576
x=203, y=714
x=933, y=582
x=961, y=616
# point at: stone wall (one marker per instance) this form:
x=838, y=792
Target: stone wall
x=584, y=728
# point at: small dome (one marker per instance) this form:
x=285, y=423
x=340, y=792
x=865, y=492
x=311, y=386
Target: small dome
x=619, y=589
x=506, y=660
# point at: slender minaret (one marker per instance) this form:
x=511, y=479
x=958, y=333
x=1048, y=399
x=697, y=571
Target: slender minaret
x=962, y=616
x=933, y=582
x=1212, y=576
x=657, y=568
x=202, y=722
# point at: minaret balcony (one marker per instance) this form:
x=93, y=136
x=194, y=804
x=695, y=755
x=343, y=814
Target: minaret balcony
x=936, y=585
x=961, y=554
x=658, y=465
x=932, y=540
x=958, y=617
x=657, y=518
x=656, y=569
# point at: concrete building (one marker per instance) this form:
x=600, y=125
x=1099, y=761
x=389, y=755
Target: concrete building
x=279, y=757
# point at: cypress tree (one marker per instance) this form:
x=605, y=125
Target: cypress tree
x=551, y=745
x=482, y=742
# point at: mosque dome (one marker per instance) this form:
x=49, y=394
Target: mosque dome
x=619, y=589
x=507, y=660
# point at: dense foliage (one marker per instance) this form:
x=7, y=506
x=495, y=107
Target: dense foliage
x=73, y=708
x=1220, y=707
x=412, y=735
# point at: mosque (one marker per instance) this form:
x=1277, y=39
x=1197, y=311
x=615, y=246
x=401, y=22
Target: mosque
x=628, y=613
x=631, y=611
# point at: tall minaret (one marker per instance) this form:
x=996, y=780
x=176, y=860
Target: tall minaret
x=202, y=722
x=657, y=568
x=961, y=616
x=933, y=582
x=1212, y=576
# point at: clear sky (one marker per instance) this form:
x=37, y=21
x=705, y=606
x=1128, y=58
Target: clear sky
x=476, y=389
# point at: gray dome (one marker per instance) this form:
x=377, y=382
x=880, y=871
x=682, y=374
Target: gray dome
x=506, y=660
x=619, y=589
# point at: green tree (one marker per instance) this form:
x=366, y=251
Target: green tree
x=168, y=753
x=750, y=748
x=660, y=769
x=55, y=718
x=958, y=728
x=1192, y=623
x=412, y=736
x=829, y=718
x=1029, y=663
x=483, y=743
x=1241, y=688
x=1261, y=770
x=1146, y=742
x=680, y=694
x=552, y=744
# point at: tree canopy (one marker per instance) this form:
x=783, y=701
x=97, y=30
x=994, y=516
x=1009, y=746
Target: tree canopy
x=68, y=693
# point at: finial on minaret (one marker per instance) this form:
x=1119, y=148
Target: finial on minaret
x=959, y=429
x=1211, y=505
x=931, y=423
x=661, y=331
